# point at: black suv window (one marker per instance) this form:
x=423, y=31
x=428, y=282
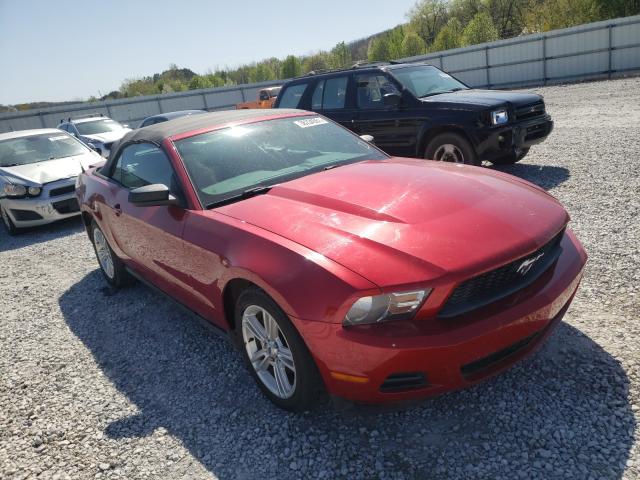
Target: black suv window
x=371, y=89
x=143, y=164
x=292, y=95
x=335, y=93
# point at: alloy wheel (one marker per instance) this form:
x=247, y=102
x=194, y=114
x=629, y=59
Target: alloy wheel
x=449, y=153
x=104, y=253
x=268, y=351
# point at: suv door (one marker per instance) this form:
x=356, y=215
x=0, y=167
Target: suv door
x=394, y=128
x=331, y=97
x=149, y=237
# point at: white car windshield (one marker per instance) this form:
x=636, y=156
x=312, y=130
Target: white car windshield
x=424, y=80
x=225, y=163
x=96, y=127
x=39, y=148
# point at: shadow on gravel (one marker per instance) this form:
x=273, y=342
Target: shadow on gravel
x=564, y=413
x=545, y=176
x=31, y=236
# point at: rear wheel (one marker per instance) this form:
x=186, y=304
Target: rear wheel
x=9, y=225
x=451, y=147
x=111, y=266
x=275, y=353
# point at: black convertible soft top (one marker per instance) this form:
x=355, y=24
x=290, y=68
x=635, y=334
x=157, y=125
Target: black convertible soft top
x=158, y=132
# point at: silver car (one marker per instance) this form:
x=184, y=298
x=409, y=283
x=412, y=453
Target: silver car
x=97, y=131
x=38, y=170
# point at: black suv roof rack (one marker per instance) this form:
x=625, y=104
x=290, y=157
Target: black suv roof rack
x=358, y=64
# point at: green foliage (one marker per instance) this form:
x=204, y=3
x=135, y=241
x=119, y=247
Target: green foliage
x=450, y=36
x=413, y=45
x=427, y=17
x=379, y=50
x=340, y=56
x=291, y=67
x=314, y=63
x=479, y=30
x=553, y=14
x=262, y=73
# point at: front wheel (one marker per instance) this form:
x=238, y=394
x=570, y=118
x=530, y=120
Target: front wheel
x=9, y=225
x=451, y=147
x=111, y=266
x=275, y=353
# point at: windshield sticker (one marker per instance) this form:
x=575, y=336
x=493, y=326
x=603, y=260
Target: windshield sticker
x=310, y=122
x=58, y=137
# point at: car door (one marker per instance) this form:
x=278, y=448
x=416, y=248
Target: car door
x=393, y=127
x=150, y=237
x=331, y=98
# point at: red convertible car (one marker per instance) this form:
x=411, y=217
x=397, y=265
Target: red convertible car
x=331, y=265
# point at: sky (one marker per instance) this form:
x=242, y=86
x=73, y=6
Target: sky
x=69, y=50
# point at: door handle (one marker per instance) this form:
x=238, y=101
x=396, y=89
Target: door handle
x=117, y=210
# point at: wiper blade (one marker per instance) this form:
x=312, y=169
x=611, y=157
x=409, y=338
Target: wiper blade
x=9, y=165
x=250, y=192
x=457, y=89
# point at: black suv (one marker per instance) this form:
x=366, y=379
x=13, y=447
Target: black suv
x=417, y=110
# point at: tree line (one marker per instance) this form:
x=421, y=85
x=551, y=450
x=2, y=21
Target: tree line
x=432, y=26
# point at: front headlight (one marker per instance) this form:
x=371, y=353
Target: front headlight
x=12, y=190
x=499, y=117
x=34, y=191
x=385, y=307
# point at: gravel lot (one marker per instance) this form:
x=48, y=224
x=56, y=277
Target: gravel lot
x=102, y=384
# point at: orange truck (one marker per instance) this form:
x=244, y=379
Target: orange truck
x=266, y=99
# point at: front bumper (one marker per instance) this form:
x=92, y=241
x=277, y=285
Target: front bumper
x=46, y=208
x=497, y=142
x=449, y=353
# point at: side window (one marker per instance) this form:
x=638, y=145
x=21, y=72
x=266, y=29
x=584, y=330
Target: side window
x=335, y=93
x=316, y=100
x=72, y=129
x=371, y=90
x=292, y=95
x=264, y=95
x=63, y=126
x=143, y=164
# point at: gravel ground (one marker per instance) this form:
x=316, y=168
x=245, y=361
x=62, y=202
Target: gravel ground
x=103, y=384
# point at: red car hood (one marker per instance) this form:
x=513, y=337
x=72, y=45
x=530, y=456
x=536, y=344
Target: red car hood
x=402, y=220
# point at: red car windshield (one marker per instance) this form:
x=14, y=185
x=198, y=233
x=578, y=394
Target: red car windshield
x=227, y=162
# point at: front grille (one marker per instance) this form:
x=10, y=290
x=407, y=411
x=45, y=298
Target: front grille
x=56, y=192
x=66, y=206
x=472, y=369
x=399, y=382
x=501, y=282
x=532, y=110
x=25, y=215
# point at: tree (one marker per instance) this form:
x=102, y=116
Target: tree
x=450, y=36
x=340, y=56
x=313, y=63
x=479, y=30
x=553, y=14
x=378, y=50
x=413, y=45
x=427, y=17
x=395, y=37
x=291, y=67
x=508, y=15
x=262, y=73
x=617, y=8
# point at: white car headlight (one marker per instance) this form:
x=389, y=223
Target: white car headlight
x=12, y=190
x=34, y=191
x=388, y=306
x=499, y=117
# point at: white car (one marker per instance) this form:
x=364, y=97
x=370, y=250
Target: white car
x=38, y=170
x=97, y=131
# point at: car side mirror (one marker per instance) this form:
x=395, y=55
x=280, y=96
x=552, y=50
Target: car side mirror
x=392, y=99
x=367, y=138
x=152, y=196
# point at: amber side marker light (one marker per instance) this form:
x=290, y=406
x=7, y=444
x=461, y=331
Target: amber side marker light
x=349, y=378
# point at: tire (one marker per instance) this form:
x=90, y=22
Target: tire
x=6, y=221
x=451, y=147
x=512, y=158
x=110, y=265
x=284, y=371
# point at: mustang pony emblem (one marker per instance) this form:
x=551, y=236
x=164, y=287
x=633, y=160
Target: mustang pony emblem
x=525, y=266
